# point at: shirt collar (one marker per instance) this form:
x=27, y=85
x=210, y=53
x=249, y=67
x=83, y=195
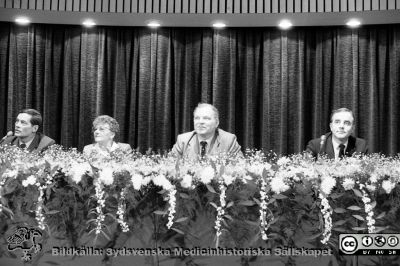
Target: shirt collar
x=336, y=148
x=113, y=147
x=336, y=144
x=206, y=140
x=27, y=143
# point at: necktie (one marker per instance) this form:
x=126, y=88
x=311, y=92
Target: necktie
x=22, y=145
x=203, y=145
x=341, y=151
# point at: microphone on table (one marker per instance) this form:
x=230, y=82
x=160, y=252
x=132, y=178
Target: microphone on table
x=321, y=144
x=9, y=134
x=187, y=144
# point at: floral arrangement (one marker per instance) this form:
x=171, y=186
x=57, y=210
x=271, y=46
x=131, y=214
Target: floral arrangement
x=122, y=180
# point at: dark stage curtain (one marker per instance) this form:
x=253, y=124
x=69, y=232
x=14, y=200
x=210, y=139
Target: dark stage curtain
x=274, y=89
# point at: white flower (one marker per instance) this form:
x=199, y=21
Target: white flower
x=172, y=205
x=373, y=178
x=31, y=180
x=263, y=210
x=246, y=177
x=258, y=168
x=99, y=209
x=106, y=176
x=146, y=180
x=186, y=181
x=326, y=211
x=238, y=170
x=228, y=179
x=137, y=180
x=278, y=185
x=371, y=187
x=146, y=170
x=347, y=169
x=309, y=173
x=10, y=173
x=78, y=170
x=168, y=169
x=327, y=184
x=207, y=174
x=229, y=169
x=162, y=181
x=121, y=212
x=220, y=210
x=283, y=161
x=125, y=167
x=348, y=183
x=388, y=186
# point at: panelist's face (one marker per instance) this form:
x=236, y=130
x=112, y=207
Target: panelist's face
x=102, y=133
x=24, y=127
x=205, y=122
x=342, y=125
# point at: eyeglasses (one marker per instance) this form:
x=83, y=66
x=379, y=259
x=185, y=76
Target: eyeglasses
x=101, y=128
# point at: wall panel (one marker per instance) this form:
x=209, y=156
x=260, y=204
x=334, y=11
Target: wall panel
x=204, y=6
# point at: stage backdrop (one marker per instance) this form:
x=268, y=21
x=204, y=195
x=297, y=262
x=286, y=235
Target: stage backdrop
x=274, y=89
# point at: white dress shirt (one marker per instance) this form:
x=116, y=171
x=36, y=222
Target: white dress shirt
x=104, y=151
x=336, y=147
x=208, y=143
x=26, y=143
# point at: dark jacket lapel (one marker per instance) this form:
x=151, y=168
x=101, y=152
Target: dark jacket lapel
x=35, y=142
x=351, y=146
x=328, y=149
x=215, y=142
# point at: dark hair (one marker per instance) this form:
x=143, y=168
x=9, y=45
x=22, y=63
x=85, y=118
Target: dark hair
x=36, y=119
x=343, y=110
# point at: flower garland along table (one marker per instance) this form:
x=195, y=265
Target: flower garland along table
x=257, y=200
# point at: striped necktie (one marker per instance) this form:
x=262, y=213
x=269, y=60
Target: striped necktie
x=203, y=145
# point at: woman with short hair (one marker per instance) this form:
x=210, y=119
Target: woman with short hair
x=105, y=128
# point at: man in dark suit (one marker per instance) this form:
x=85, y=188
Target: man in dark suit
x=26, y=135
x=207, y=138
x=339, y=142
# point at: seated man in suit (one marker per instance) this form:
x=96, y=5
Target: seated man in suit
x=105, y=128
x=207, y=138
x=339, y=142
x=26, y=134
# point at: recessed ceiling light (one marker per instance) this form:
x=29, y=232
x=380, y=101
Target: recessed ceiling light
x=353, y=23
x=89, y=23
x=22, y=21
x=219, y=25
x=154, y=24
x=285, y=24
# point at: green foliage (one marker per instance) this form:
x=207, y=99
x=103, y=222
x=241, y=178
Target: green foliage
x=294, y=214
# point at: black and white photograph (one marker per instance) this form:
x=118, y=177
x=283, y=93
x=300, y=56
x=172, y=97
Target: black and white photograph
x=200, y=132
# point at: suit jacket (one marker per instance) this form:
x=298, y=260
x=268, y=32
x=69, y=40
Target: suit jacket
x=93, y=148
x=187, y=144
x=354, y=146
x=39, y=143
